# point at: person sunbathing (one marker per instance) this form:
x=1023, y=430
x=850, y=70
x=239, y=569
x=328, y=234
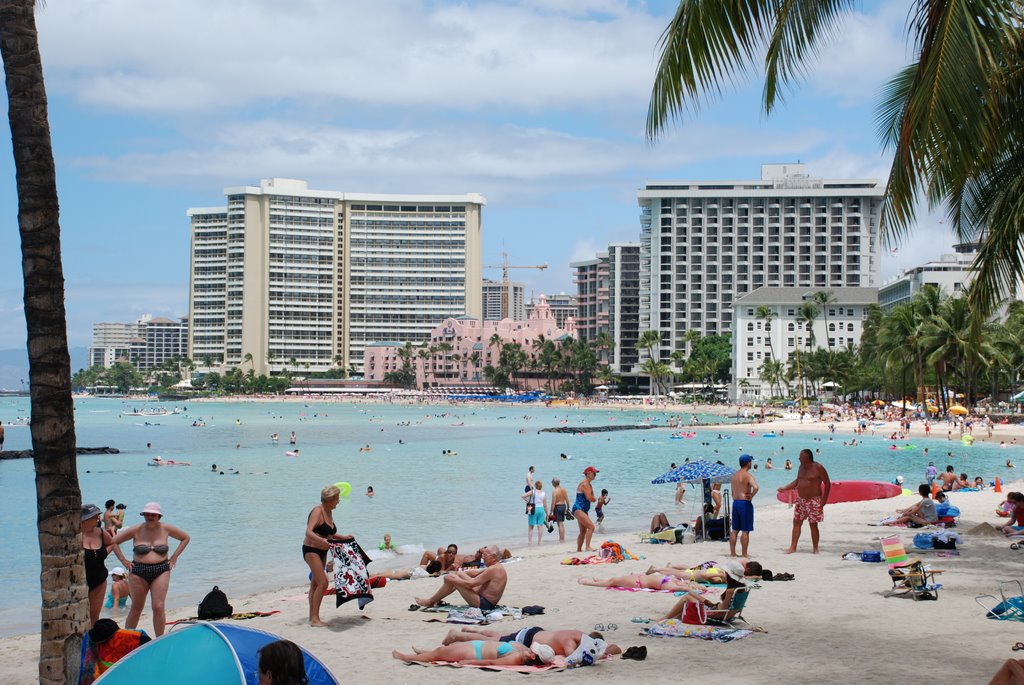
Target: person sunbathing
x=713, y=574
x=481, y=588
x=921, y=514
x=737, y=575
x=564, y=642
x=432, y=568
x=483, y=653
x=653, y=581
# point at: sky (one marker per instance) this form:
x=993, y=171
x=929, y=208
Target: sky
x=539, y=105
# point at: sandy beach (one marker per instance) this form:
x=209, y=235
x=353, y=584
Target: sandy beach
x=832, y=623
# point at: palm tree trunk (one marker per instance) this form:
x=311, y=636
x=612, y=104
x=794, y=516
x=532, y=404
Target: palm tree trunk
x=58, y=496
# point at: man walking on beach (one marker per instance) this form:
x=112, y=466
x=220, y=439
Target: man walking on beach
x=812, y=487
x=744, y=487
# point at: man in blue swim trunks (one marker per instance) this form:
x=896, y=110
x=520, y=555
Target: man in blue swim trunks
x=744, y=487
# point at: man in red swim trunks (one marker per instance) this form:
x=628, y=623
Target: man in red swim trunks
x=812, y=487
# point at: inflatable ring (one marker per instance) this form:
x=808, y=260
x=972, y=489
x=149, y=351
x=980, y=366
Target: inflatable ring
x=344, y=489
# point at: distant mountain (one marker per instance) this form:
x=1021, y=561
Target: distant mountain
x=14, y=366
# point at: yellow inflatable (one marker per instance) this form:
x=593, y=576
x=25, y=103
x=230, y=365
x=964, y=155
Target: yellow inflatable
x=967, y=440
x=344, y=488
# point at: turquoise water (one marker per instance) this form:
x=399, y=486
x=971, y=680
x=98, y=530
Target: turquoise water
x=247, y=529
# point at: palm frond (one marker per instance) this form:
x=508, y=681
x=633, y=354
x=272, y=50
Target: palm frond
x=802, y=27
x=707, y=44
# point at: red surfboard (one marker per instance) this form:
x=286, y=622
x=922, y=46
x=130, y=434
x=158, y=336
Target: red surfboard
x=851, y=491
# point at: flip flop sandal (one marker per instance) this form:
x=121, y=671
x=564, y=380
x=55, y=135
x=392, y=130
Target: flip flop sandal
x=1018, y=647
x=599, y=627
x=640, y=619
x=613, y=626
x=414, y=607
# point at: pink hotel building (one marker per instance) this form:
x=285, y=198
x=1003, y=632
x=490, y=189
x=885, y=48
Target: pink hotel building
x=471, y=348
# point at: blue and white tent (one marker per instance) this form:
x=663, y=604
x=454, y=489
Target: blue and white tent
x=204, y=653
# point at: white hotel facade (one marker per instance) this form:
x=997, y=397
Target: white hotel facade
x=284, y=273
x=705, y=244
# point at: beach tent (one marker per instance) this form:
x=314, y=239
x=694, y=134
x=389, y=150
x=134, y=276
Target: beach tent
x=700, y=471
x=204, y=653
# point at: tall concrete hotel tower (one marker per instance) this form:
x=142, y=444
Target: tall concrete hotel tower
x=304, y=279
x=704, y=244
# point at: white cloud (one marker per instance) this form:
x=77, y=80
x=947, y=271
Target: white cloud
x=195, y=55
x=868, y=50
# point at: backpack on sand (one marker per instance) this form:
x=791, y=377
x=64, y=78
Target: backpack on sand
x=215, y=605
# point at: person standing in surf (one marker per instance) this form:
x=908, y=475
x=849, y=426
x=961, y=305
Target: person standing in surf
x=812, y=487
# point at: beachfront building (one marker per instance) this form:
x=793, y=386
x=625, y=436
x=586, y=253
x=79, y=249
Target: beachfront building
x=286, y=277
x=459, y=349
x=608, y=302
x=756, y=339
x=147, y=343
x=706, y=244
x=951, y=274
x=562, y=307
x=493, y=293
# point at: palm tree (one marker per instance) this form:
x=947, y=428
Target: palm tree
x=248, y=358
x=806, y=315
x=767, y=314
x=270, y=359
x=650, y=341
x=824, y=298
x=58, y=496
x=951, y=117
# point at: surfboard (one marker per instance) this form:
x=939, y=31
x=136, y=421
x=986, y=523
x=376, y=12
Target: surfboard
x=851, y=491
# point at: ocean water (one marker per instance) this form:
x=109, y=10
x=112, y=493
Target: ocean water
x=247, y=529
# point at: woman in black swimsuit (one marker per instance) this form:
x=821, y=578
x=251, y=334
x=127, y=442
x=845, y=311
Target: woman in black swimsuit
x=320, y=532
x=97, y=543
x=150, y=566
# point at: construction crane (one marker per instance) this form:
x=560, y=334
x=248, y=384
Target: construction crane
x=505, y=284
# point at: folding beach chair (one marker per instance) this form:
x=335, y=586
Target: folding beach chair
x=721, y=617
x=1009, y=608
x=908, y=575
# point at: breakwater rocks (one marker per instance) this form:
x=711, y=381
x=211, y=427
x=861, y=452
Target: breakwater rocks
x=27, y=454
x=597, y=429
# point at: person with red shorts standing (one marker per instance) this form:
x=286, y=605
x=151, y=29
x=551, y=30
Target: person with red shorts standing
x=812, y=487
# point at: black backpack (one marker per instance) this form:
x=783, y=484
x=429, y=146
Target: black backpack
x=215, y=605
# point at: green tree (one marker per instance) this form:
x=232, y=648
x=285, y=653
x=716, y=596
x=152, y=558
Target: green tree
x=951, y=117
x=650, y=341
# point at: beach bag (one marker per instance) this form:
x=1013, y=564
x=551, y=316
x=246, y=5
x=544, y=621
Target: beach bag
x=215, y=605
x=924, y=541
x=944, y=544
x=695, y=614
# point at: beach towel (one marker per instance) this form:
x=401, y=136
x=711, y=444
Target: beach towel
x=675, y=628
x=351, y=581
x=546, y=668
x=468, y=615
x=586, y=561
x=240, y=616
x=98, y=657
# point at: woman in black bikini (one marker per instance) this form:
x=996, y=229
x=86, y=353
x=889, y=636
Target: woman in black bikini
x=320, y=532
x=97, y=543
x=150, y=566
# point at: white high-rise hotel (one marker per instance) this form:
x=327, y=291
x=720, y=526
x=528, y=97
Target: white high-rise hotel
x=286, y=273
x=706, y=243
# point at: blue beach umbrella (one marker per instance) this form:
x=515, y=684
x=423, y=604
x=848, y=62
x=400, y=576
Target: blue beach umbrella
x=695, y=472
x=204, y=654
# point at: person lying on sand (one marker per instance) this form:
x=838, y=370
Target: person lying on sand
x=481, y=588
x=483, y=653
x=654, y=581
x=432, y=568
x=564, y=642
x=737, y=575
x=697, y=574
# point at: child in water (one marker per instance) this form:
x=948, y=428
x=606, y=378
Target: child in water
x=599, y=505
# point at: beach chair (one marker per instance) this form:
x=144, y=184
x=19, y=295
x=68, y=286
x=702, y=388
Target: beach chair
x=908, y=575
x=721, y=617
x=1004, y=608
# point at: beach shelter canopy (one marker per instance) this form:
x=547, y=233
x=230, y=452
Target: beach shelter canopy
x=957, y=409
x=695, y=472
x=1019, y=397
x=204, y=654
x=878, y=403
